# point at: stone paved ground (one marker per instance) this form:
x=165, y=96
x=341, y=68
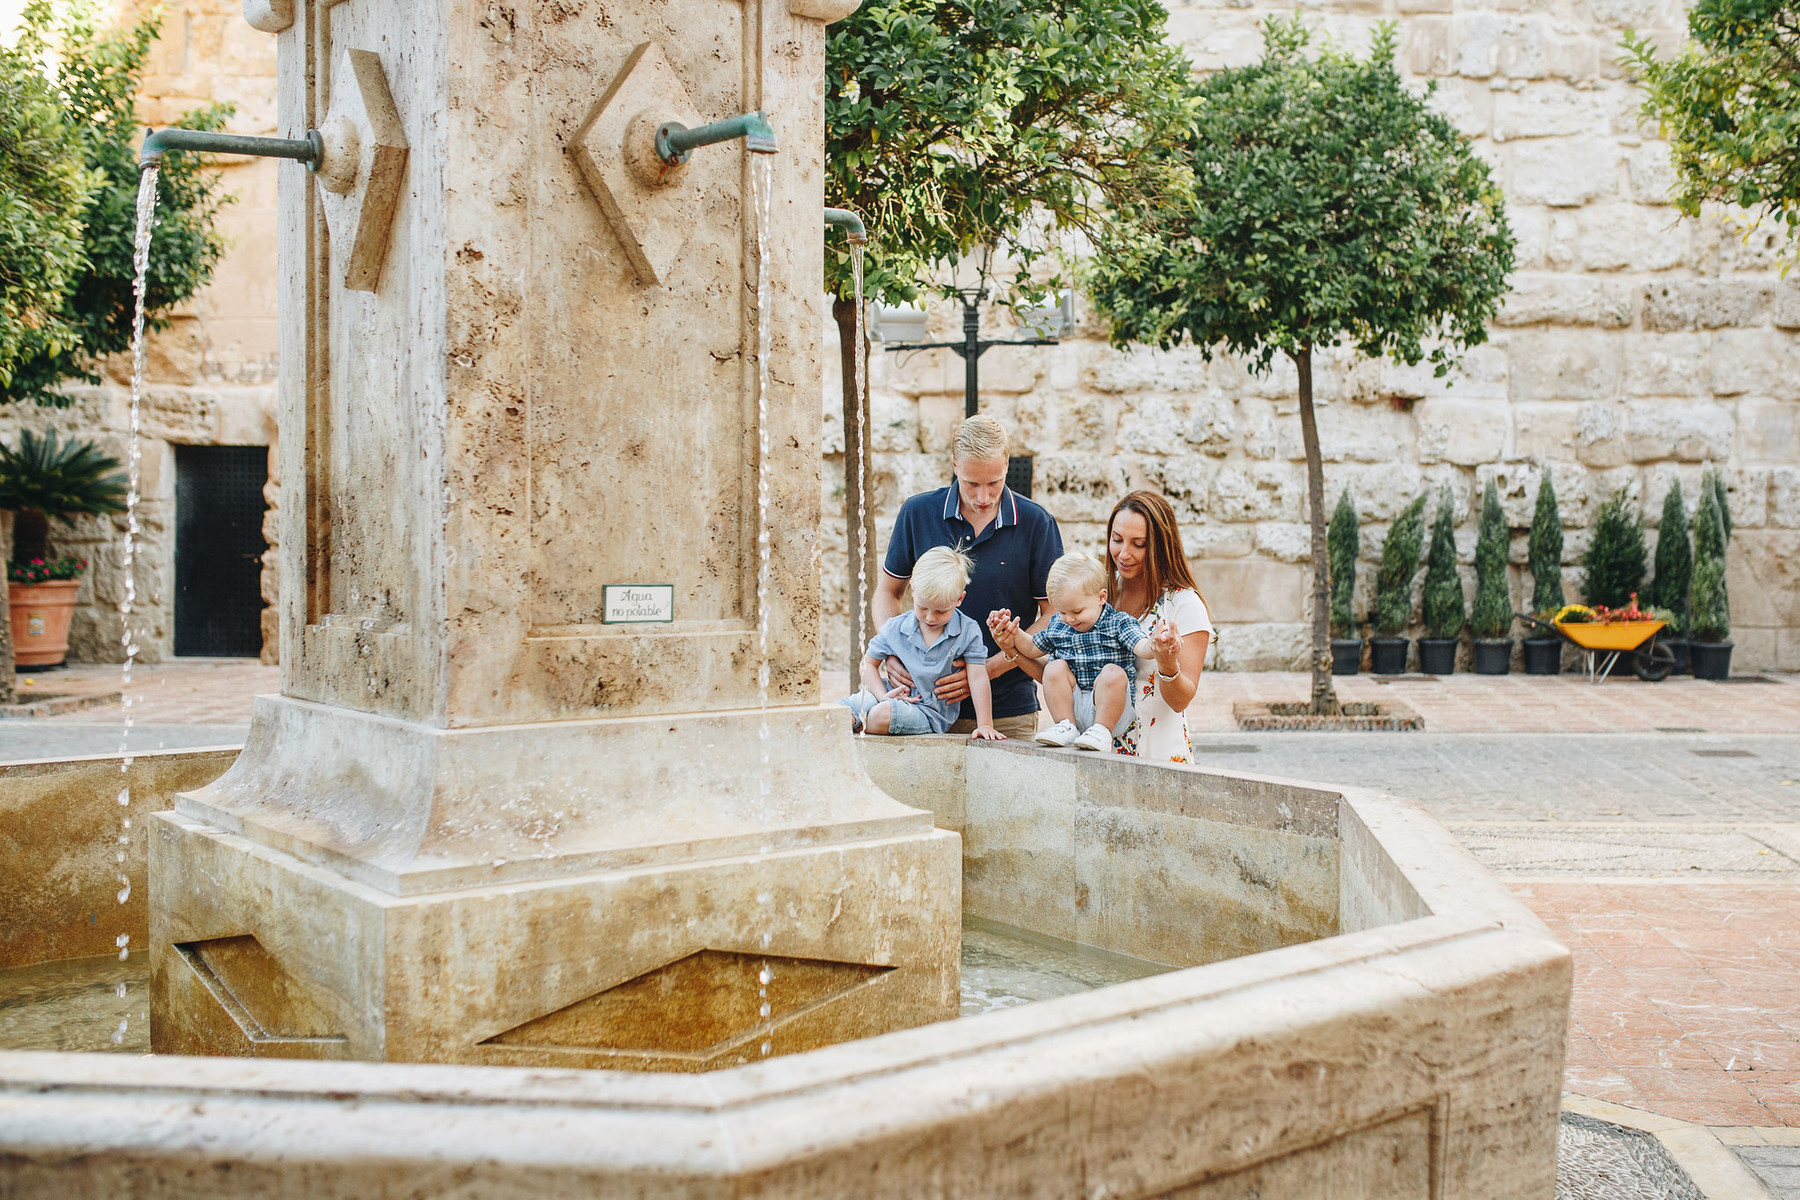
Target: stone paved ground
x=175, y=705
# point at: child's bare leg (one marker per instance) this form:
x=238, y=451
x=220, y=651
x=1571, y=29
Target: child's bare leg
x=1059, y=690
x=1110, y=695
x=877, y=719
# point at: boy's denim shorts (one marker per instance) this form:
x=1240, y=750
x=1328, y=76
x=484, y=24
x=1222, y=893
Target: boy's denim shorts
x=904, y=717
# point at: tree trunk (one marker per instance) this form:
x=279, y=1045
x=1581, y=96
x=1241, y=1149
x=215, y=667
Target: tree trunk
x=8, y=674
x=856, y=445
x=1324, y=698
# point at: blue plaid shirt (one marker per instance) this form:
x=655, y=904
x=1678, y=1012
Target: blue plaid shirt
x=1110, y=640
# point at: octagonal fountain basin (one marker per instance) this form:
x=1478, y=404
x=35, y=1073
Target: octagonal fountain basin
x=1244, y=987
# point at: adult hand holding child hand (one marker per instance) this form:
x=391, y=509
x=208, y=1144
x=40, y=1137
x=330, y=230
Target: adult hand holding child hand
x=1167, y=640
x=951, y=689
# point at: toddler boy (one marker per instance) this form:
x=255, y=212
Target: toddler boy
x=1093, y=647
x=927, y=641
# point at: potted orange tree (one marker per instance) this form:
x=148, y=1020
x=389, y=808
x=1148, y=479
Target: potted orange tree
x=46, y=477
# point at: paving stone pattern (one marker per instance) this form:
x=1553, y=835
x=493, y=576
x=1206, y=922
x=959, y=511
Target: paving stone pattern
x=1481, y=778
x=1597, y=1160
x=1777, y=1166
x=1687, y=997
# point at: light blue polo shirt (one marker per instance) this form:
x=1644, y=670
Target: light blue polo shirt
x=900, y=638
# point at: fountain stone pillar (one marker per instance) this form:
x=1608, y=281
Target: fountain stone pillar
x=518, y=801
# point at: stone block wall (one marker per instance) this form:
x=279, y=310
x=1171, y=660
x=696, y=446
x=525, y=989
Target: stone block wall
x=1634, y=348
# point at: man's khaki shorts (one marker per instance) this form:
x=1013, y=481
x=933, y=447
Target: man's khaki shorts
x=1023, y=727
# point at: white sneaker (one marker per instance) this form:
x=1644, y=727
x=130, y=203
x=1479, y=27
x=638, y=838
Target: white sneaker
x=1098, y=737
x=1059, y=734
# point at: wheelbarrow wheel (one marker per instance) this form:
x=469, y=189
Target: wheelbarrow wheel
x=1653, y=665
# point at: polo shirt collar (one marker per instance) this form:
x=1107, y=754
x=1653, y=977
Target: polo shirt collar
x=1008, y=513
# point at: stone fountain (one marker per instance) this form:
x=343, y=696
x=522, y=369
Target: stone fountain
x=526, y=806
x=521, y=800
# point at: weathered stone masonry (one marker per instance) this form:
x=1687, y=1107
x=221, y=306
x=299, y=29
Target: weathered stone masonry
x=1635, y=348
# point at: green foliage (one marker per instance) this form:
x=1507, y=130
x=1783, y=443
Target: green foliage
x=1492, y=616
x=1729, y=105
x=1674, y=560
x=58, y=477
x=1399, y=563
x=44, y=190
x=48, y=477
x=1711, y=527
x=38, y=570
x=1715, y=479
x=1331, y=203
x=1712, y=605
x=1545, y=552
x=957, y=124
x=1445, y=610
x=1343, y=542
x=95, y=86
x=1615, y=557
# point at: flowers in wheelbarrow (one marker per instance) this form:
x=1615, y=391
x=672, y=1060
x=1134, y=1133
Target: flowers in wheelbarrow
x=1580, y=614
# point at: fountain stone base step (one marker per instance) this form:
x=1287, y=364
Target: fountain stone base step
x=488, y=896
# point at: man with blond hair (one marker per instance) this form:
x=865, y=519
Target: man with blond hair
x=1012, y=542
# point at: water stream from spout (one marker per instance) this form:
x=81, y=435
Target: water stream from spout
x=762, y=187
x=140, y=258
x=860, y=382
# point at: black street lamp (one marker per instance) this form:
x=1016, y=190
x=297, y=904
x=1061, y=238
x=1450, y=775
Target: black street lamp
x=1058, y=321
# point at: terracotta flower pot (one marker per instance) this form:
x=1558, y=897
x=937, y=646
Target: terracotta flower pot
x=41, y=613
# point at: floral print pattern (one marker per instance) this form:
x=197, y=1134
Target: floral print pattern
x=1145, y=737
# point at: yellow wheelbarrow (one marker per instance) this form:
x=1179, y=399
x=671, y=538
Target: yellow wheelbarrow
x=1602, y=644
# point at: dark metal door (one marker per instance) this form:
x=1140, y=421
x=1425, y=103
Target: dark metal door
x=218, y=550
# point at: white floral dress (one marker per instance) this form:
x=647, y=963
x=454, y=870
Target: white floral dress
x=1160, y=734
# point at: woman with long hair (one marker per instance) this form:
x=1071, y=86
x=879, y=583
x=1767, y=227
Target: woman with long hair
x=1147, y=577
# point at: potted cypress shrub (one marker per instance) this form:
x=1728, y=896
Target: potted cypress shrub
x=1491, y=621
x=1393, y=589
x=1344, y=541
x=1615, y=558
x=1710, y=650
x=1445, y=612
x=46, y=477
x=1614, y=563
x=1674, y=576
x=1543, y=655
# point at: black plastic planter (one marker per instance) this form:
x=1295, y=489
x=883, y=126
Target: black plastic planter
x=1493, y=657
x=1346, y=656
x=1711, y=660
x=1387, y=656
x=1543, y=656
x=1437, y=656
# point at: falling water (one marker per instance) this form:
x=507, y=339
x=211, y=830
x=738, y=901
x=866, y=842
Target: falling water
x=146, y=220
x=763, y=182
x=860, y=382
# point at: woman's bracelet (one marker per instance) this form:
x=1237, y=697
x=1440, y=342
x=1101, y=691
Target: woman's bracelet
x=1170, y=678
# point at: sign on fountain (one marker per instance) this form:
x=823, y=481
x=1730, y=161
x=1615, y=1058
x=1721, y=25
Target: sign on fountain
x=548, y=781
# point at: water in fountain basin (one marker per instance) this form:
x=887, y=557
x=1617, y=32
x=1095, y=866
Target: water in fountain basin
x=68, y=1005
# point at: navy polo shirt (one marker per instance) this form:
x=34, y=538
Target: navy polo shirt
x=1012, y=564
